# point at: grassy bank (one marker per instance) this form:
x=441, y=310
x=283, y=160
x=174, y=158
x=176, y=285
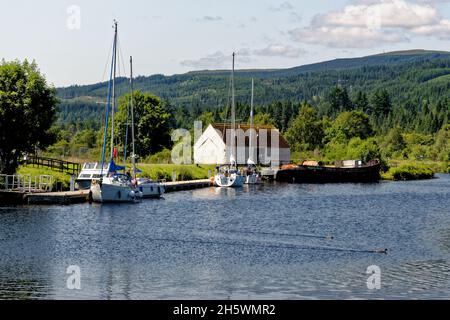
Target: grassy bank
x=183, y=172
x=153, y=171
x=410, y=171
x=61, y=181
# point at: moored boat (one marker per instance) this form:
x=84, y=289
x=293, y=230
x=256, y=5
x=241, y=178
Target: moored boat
x=147, y=187
x=251, y=172
x=150, y=188
x=230, y=177
x=116, y=188
x=91, y=171
x=112, y=187
x=309, y=173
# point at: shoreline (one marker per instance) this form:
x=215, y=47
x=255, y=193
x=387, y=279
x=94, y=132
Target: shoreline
x=82, y=196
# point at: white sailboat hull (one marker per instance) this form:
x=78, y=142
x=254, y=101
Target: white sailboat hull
x=232, y=181
x=112, y=191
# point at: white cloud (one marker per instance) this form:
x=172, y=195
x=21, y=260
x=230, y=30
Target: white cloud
x=244, y=56
x=280, y=50
x=390, y=13
x=368, y=23
x=346, y=37
x=218, y=60
x=211, y=61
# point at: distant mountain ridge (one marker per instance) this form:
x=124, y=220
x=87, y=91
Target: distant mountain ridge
x=407, y=75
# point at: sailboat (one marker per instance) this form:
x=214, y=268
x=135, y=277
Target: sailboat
x=231, y=177
x=112, y=187
x=251, y=175
x=147, y=187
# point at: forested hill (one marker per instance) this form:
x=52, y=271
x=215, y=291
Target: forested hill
x=408, y=76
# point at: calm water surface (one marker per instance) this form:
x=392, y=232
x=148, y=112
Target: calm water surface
x=263, y=242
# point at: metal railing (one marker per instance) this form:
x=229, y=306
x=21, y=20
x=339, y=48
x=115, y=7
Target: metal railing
x=26, y=183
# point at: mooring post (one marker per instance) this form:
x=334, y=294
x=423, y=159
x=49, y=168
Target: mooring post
x=72, y=183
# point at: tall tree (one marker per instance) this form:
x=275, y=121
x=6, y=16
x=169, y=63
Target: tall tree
x=348, y=125
x=27, y=111
x=360, y=101
x=380, y=104
x=306, y=131
x=152, y=123
x=340, y=100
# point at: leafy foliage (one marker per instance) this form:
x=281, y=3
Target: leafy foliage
x=152, y=120
x=27, y=111
x=306, y=131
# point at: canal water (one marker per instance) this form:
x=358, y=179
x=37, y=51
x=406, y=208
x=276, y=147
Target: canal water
x=274, y=241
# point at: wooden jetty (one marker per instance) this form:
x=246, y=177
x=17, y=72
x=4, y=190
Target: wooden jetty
x=57, y=198
x=82, y=196
x=50, y=198
x=187, y=185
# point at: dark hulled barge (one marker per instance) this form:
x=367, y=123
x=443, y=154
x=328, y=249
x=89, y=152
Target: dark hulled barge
x=343, y=171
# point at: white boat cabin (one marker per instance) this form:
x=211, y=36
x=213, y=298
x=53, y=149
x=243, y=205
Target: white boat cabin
x=91, y=171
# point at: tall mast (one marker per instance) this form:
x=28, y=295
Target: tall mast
x=233, y=115
x=233, y=106
x=251, y=104
x=250, y=160
x=133, y=156
x=108, y=105
x=113, y=110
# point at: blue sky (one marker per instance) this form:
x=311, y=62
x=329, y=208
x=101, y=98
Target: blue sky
x=71, y=40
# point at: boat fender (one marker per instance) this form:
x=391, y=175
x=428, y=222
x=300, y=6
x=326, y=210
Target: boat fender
x=119, y=194
x=132, y=194
x=90, y=198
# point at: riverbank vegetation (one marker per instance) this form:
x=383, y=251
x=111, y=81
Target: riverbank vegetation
x=27, y=113
x=61, y=181
x=339, y=122
x=411, y=171
x=336, y=126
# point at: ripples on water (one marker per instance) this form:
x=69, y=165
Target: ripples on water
x=269, y=241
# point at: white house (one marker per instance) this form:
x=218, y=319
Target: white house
x=268, y=146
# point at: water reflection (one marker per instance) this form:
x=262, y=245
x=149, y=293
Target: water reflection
x=264, y=241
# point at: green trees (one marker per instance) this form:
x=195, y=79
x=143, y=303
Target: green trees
x=27, y=111
x=394, y=143
x=361, y=102
x=380, y=103
x=340, y=100
x=263, y=119
x=348, y=125
x=306, y=131
x=206, y=118
x=442, y=144
x=152, y=120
